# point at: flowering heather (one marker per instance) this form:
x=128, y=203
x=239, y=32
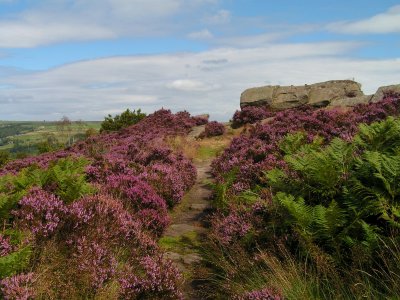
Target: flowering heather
x=166, y=181
x=136, y=176
x=5, y=245
x=213, y=128
x=250, y=115
x=18, y=287
x=157, y=280
x=40, y=212
x=258, y=151
x=140, y=197
x=104, y=219
x=95, y=261
x=232, y=227
x=264, y=294
x=200, y=120
x=243, y=225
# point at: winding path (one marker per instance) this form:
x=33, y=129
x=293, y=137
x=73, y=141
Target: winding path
x=183, y=237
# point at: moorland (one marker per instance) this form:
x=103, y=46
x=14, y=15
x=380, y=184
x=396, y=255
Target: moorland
x=300, y=203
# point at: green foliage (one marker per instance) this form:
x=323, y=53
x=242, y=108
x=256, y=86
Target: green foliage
x=15, y=262
x=291, y=143
x=125, y=119
x=221, y=197
x=65, y=178
x=18, y=260
x=68, y=178
x=14, y=128
x=39, y=137
x=380, y=136
x=345, y=195
x=4, y=157
x=49, y=145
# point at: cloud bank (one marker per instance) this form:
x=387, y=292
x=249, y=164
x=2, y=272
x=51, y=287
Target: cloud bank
x=384, y=23
x=238, y=55
x=206, y=82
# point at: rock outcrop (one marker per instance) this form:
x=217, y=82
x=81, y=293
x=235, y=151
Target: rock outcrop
x=329, y=93
x=384, y=89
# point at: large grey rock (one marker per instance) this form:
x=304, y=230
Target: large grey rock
x=318, y=94
x=258, y=96
x=351, y=101
x=384, y=89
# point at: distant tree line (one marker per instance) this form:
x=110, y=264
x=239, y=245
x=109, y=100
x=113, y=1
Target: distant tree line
x=14, y=129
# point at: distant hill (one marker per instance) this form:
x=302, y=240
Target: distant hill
x=23, y=136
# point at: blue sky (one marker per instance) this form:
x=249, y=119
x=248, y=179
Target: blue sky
x=88, y=58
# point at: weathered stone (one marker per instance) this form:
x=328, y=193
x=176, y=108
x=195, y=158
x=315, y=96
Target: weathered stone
x=318, y=94
x=288, y=97
x=333, y=90
x=259, y=96
x=353, y=101
x=384, y=89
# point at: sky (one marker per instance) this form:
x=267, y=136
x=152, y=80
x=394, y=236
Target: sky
x=85, y=59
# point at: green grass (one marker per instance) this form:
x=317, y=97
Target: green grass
x=187, y=243
x=26, y=134
x=206, y=151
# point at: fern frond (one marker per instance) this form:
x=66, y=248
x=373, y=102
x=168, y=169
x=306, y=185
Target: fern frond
x=15, y=262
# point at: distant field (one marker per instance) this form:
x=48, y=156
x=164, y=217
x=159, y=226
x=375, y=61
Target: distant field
x=18, y=136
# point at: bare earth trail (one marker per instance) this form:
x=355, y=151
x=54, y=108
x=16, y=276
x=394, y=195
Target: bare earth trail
x=183, y=237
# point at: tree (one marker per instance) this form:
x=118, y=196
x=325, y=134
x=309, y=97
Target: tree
x=65, y=125
x=125, y=119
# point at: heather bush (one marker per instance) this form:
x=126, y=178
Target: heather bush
x=250, y=115
x=140, y=198
x=18, y=287
x=65, y=178
x=40, y=212
x=94, y=261
x=307, y=204
x=200, y=120
x=5, y=245
x=230, y=228
x=158, y=279
x=94, y=210
x=213, y=128
x=264, y=294
x=259, y=150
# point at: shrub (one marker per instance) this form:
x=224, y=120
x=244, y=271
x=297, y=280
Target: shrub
x=250, y=115
x=200, y=120
x=157, y=279
x=4, y=157
x=40, y=212
x=264, y=294
x=213, y=128
x=18, y=287
x=125, y=119
x=330, y=199
x=95, y=210
x=259, y=150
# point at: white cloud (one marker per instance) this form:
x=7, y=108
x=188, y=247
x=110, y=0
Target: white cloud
x=25, y=35
x=205, y=82
x=201, y=35
x=247, y=41
x=223, y=16
x=78, y=20
x=387, y=22
x=189, y=85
